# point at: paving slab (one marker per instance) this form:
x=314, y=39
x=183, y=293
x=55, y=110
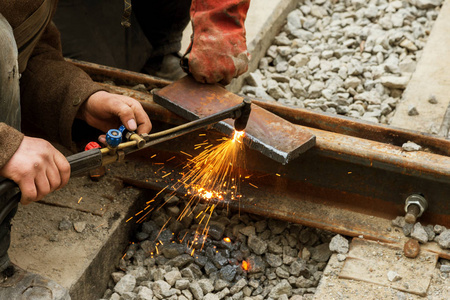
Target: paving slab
x=430, y=78
x=82, y=261
x=344, y=280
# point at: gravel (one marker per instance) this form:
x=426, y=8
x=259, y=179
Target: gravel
x=285, y=268
x=347, y=57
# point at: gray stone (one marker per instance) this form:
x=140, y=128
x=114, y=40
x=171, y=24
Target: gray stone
x=238, y=286
x=144, y=293
x=445, y=268
x=173, y=250
x=180, y=261
x=282, y=288
x=412, y=111
x=432, y=99
x=172, y=277
x=125, y=284
x=438, y=229
x=206, y=285
x=116, y=276
x=211, y=297
x=321, y=253
x=273, y=260
x=411, y=146
x=223, y=293
x=182, y=284
x=419, y=233
x=79, y=226
x=444, y=239
x=393, y=276
x=248, y=230
x=160, y=287
x=395, y=82
x=227, y=273
x=196, y=290
x=407, y=229
x=281, y=273
x=257, y=245
x=65, y=224
x=399, y=221
x=256, y=264
x=339, y=244
x=220, y=284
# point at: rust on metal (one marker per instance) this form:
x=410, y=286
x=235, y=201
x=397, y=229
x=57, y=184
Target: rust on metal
x=321, y=192
x=155, y=111
x=267, y=133
x=353, y=181
x=102, y=72
x=357, y=128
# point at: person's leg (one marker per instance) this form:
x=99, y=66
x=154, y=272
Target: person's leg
x=9, y=77
x=91, y=30
x=9, y=114
x=163, y=23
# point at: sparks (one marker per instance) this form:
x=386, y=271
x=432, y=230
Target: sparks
x=227, y=240
x=79, y=200
x=245, y=265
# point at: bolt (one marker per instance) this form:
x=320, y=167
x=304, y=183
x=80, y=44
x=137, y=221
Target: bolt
x=415, y=205
x=412, y=213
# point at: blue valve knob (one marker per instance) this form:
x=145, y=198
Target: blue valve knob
x=122, y=129
x=113, y=138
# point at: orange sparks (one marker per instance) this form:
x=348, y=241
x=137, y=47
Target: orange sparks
x=153, y=156
x=170, y=158
x=227, y=240
x=128, y=220
x=245, y=265
x=253, y=185
x=187, y=154
x=278, y=175
x=166, y=175
x=79, y=200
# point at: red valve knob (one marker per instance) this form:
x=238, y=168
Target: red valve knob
x=91, y=145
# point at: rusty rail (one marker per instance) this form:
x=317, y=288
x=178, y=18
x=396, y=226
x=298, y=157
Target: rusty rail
x=351, y=182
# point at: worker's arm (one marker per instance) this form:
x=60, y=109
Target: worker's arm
x=37, y=168
x=218, y=49
x=55, y=92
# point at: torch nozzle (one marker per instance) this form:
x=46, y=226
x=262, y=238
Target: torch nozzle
x=241, y=121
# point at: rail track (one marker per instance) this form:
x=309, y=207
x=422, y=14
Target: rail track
x=353, y=181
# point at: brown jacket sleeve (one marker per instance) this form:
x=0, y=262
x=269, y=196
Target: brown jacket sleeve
x=52, y=90
x=10, y=140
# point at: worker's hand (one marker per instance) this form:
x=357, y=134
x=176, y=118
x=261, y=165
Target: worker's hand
x=218, y=50
x=38, y=168
x=105, y=110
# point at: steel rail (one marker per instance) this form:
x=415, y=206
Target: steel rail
x=353, y=181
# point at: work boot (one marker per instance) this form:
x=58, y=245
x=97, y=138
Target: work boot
x=167, y=67
x=18, y=284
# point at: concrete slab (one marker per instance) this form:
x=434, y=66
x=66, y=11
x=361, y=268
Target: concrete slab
x=83, y=261
x=334, y=286
x=430, y=78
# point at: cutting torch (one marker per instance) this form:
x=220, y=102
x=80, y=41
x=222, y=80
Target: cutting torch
x=120, y=143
